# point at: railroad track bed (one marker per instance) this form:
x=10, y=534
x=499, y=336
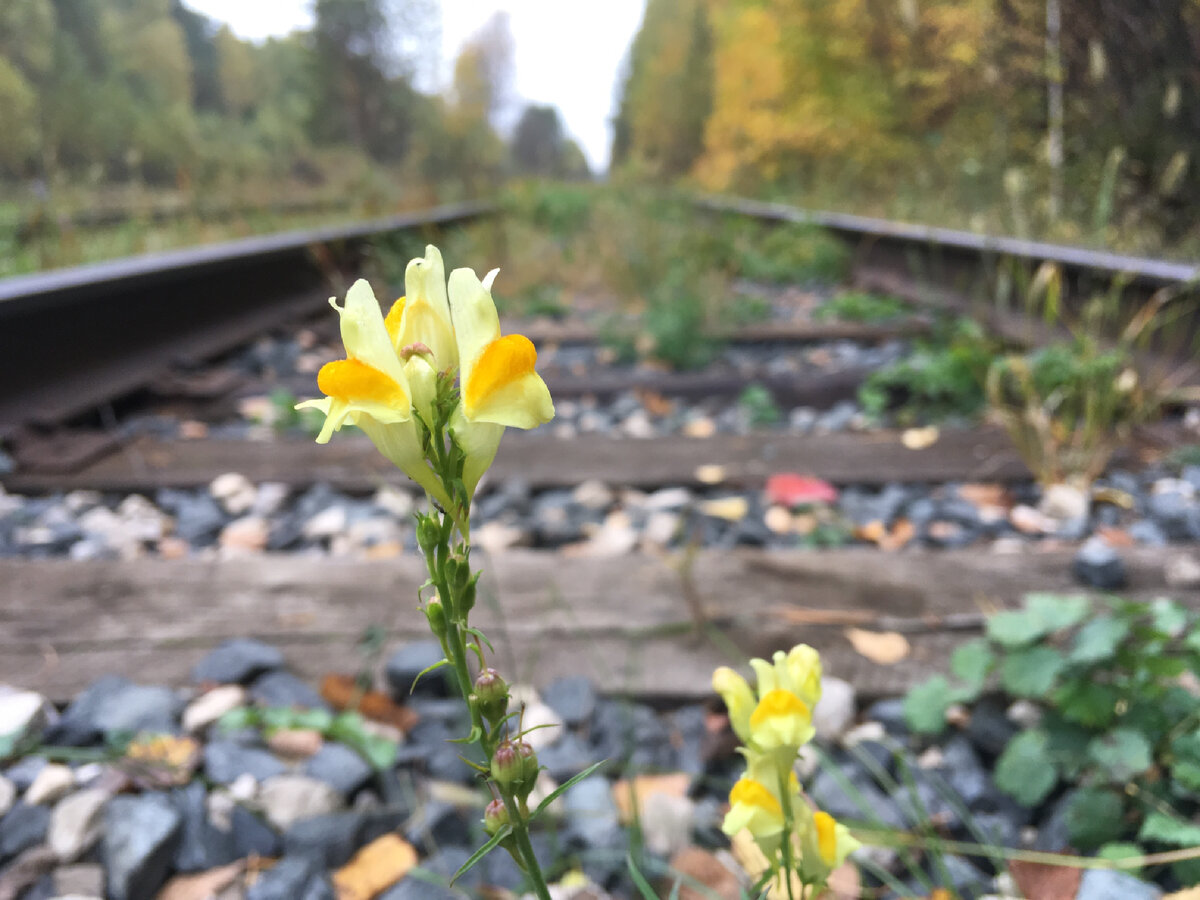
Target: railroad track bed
x=628, y=550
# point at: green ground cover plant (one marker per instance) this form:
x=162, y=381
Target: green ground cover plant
x=944, y=377
x=1115, y=682
x=861, y=306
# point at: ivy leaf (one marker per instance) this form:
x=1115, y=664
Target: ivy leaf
x=1031, y=672
x=1165, y=829
x=1168, y=617
x=1119, y=850
x=1094, y=817
x=1122, y=754
x=1185, y=767
x=1025, y=770
x=1098, y=640
x=926, y=704
x=1088, y=703
x=971, y=662
x=1043, y=614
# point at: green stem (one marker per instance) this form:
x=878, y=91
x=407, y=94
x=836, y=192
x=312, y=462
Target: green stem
x=788, y=825
x=520, y=830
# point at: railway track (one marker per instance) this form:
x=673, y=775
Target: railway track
x=127, y=324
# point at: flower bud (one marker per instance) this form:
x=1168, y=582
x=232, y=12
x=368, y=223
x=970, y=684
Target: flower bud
x=429, y=534
x=466, y=599
x=495, y=817
x=515, y=767
x=436, y=615
x=491, y=693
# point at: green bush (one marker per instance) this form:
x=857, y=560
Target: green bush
x=788, y=253
x=943, y=377
x=1120, y=718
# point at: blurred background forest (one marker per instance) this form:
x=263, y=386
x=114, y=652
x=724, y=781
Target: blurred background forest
x=1073, y=120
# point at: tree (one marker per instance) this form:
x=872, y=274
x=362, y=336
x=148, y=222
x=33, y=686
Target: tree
x=538, y=144
x=237, y=73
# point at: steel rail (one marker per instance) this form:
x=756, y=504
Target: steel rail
x=947, y=252
x=72, y=339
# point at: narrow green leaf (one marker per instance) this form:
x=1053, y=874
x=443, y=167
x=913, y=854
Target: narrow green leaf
x=426, y=671
x=639, y=879
x=493, y=842
x=565, y=786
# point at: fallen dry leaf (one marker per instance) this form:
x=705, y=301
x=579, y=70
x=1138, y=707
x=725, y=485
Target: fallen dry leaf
x=1038, y=881
x=674, y=784
x=655, y=403
x=340, y=692
x=375, y=868
x=705, y=868
x=877, y=533
x=801, y=615
x=1115, y=537
x=844, y=884
x=731, y=509
x=162, y=760
x=874, y=531
x=1192, y=893
x=885, y=648
x=920, y=438
x=202, y=885
x=710, y=474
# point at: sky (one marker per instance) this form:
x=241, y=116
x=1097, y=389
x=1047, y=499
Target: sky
x=568, y=54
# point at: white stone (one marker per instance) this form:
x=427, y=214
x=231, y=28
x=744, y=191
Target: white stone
x=270, y=498
x=808, y=760
x=286, y=799
x=1064, y=502
x=220, y=805
x=1183, y=571
x=81, y=501
x=615, y=537
x=23, y=713
x=8, y=795
x=535, y=715
x=245, y=536
x=593, y=493
x=867, y=731
x=234, y=492
x=666, y=822
x=81, y=881
x=76, y=823
x=209, y=707
x=1026, y=714
x=638, y=425
x=496, y=537
x=933, y=758
x=394, y=501
x=244, y=788
x=668, y=498
x=50, y=785
x=834, y=712
x=326, y=523
x=661, y=527
x=143, y=520
x=87, y=773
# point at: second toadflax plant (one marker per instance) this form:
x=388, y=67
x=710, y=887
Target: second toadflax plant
x=433, y=384
x=773, y=720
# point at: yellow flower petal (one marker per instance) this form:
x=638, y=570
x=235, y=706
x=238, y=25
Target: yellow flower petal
x=752, y=793
x=739, y=699
x=393, y=320
x=426, y=315
x=826, y=837
x=364, y=333
x=353, y=381
x=476, y=322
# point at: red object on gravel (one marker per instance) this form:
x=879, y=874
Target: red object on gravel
x=789, y=489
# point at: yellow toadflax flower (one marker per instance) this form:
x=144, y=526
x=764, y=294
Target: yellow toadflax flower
x=756, y=806
x=777, y=714
x=824, y=843
x=393, y=362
